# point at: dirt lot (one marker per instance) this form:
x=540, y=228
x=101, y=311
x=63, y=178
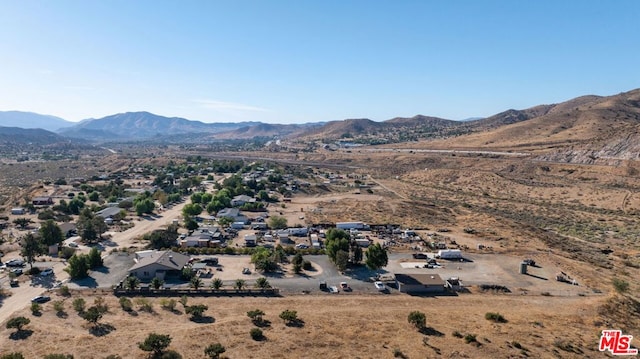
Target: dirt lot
x=499, y=269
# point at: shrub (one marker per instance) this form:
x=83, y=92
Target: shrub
x=620, y=285
x=457, y=334
x=306, y=265
x=418, y=319
x=256, y=334
x=145, y=305
x=168, y=304
x=470, y=338
x=495, y=317
x=58, y=306
x=397, y=353
x=64, y=291
x=79, y=305
x=36, y=309
x=126, y=304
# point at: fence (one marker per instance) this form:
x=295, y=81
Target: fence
x=205, y=292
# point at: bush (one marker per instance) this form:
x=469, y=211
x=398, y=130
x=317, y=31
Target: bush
x=620, y=285
x=457, y=334
x=79, y=305
x=256, y=334
x=168, y=304
x=495, y=317
x=58, y=306
x=470, y=338
x=145, y=305
x=126, y=304
x=66, y=252
x=64, y=291
x=36, y=309
x=418, y=319
x=306, y=265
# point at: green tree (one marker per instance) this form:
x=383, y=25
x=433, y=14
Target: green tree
x=156, y=283
x=418, y=319
x=256, y=316
x=18, y=323
x=77, y=267
x=240, y=284
x=333, y=246
x=155, y=343
x=22, y=222
x=196, y=311
x=191, y=209
x=217, y=283
x=356, y=253
x=225, y=221
x=264, y=259
x=51, y=233
x=277, y=222
x=214, y=350
x=132, y=282
x=31, y=248
x=190, y=224
x=195, y=282
x=262, y=283
x=289, y=316
x=342, y=259
x=376, y=257
x=92, y=315
x=94, y=260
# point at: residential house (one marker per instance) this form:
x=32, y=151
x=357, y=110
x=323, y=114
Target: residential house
x=234, y=214
x=240, y=200
x=42, y=201
x=158, y=264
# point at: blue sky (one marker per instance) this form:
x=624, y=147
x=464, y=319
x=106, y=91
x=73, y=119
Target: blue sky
x=307, y=61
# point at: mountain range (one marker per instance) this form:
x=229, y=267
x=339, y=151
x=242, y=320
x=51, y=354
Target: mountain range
x=584, y=127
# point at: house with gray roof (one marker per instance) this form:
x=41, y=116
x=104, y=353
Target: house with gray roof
x=159, y=264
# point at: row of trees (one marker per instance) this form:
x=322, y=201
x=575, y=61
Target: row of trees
x=343, y=251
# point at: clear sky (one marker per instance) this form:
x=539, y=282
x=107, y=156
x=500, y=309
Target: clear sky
x=306, y=61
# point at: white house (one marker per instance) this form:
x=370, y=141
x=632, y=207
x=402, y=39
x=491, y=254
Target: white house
x=238, y=201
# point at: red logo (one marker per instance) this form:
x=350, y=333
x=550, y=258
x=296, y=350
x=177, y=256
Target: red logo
x=617, y=343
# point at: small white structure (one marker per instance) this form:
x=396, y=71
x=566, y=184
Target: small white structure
x=18, y=211
x=237, y=225
x=450, y=254
x=350, y=225
x=250, y=240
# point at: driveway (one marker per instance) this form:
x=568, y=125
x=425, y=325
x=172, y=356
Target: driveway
x=116, y=266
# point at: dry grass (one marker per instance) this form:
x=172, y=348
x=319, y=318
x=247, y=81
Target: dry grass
x=334, y=327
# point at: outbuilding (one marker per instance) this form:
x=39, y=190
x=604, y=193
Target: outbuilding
x=420, y=283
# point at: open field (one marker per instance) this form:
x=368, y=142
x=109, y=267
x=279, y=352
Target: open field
x=334, y=327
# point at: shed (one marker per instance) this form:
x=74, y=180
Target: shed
x=419, y=283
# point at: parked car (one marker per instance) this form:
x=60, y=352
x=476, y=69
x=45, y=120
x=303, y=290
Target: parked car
x=333, y=289
x=47, y=272
x=345, y=287
x=301, y=246
x=246, y=271
x=17, y=271
x=41, y=299
x=212, y=261
x=323, y=285
x=16, y=262
x=14, y=283
x=380, y=286
x=73, y=245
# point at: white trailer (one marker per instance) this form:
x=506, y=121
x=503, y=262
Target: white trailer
x=350, y=225
x=450, y=254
